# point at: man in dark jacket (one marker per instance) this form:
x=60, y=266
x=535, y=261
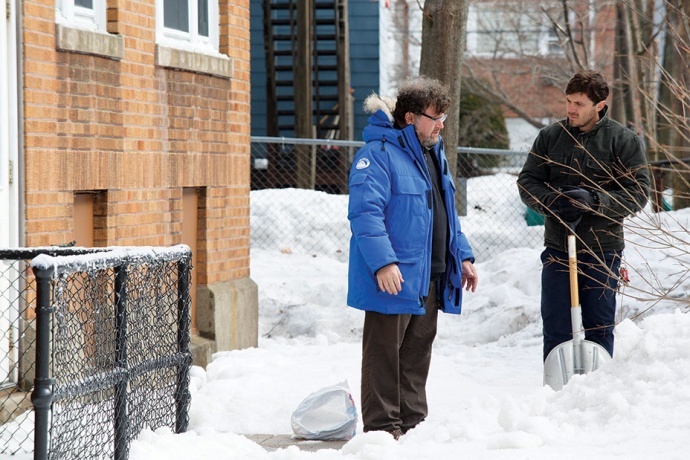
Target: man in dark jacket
x=408, y=255
x=585, y=173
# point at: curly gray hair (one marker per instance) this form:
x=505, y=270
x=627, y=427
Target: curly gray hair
x=417, y=94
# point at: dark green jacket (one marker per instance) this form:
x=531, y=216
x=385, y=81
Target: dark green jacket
x=608, y=160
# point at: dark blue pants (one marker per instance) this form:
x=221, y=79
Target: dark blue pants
x=597, y=286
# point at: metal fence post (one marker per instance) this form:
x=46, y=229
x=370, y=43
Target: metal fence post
x=182, y=396
x=42, y=394
x=121, y=419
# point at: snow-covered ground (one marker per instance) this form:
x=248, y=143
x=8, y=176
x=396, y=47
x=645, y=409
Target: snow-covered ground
x=486, y=397
x=485, y=386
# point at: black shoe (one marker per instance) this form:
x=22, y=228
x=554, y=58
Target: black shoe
x=396, y=433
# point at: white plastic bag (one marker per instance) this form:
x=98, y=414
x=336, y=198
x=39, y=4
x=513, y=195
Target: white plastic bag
x=326, y=414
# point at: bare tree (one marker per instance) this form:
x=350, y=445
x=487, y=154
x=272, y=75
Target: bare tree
x=404, y=68
x=443, y=42
x=523, y=52
x=644, y=44
x=658, y=79
x=653, y=78
x=654, y=235
x=676, y=78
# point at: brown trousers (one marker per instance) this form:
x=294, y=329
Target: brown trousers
x=396, y=354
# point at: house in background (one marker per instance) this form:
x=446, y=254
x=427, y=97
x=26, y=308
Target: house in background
x=127, y=124
x=364, y=64
x=518, y=48
x=512, y=43
x=313, y=63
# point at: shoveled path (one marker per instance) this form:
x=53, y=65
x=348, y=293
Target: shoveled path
x=272, y=442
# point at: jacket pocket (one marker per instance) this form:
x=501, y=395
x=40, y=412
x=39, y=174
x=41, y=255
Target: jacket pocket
x=454, y=269
x=357, y=179
x=408, y=216
x=560, y=169
x=411, y=270
x=599, y=172
x=408, y=185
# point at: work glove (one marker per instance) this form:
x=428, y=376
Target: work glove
x=572, y=202
x=588, y=200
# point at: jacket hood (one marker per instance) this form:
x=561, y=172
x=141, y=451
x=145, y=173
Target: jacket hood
x=382, y=127
x=374, y=102
x=381, y=123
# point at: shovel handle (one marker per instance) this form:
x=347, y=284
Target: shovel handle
x=572, y=268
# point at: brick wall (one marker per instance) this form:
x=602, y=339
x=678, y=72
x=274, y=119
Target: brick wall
x=136, y=133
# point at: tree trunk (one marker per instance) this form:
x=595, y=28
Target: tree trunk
x=303, y=94
x=646, y=57
x=443, y=44
x=666, y=132
x=678, y=81
x=621, y=100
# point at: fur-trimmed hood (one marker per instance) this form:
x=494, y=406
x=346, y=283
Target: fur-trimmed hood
x=374, y=102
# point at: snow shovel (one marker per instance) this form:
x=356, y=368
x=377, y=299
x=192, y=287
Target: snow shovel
x=576, y=356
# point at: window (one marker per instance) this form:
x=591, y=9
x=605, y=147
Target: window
x=84, y=14
x=499, y=30
x=188, y=24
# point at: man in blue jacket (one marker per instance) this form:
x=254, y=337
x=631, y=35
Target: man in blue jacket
x=408, y=255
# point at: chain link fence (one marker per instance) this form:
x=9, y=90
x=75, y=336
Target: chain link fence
x=94, y=347
x=17, y=353
x=316, y=171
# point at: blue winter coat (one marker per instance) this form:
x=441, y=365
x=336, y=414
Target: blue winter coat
x=390, y=213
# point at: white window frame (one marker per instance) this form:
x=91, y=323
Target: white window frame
x=544, y=36
x=69, y=14
x=189, y=41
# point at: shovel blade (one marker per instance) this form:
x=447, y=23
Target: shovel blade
x=562, y=362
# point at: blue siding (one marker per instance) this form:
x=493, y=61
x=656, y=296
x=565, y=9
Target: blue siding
x=258, y=69
x=364, y=57
x=364, y=62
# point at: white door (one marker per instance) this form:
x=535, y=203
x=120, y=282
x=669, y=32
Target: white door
x=8, y=191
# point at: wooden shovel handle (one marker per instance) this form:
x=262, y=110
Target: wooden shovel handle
x=572, y=268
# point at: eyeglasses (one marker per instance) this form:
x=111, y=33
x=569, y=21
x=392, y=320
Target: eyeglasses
x=440, y=118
